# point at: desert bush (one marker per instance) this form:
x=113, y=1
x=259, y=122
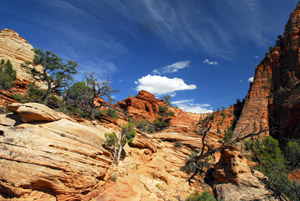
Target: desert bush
x=3, y=110
x=142, y=125
x=228, y=135
x=178, y=144
x=112, y=113
x=7, y=75
x=196, y=196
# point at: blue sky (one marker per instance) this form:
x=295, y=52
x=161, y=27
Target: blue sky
x=200, y=52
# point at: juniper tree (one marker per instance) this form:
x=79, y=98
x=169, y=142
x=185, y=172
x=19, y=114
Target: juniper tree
x=56, y=74
x=98, y=89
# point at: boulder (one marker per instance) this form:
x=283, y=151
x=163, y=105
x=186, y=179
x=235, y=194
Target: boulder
x=34, y=112
x=234, y=180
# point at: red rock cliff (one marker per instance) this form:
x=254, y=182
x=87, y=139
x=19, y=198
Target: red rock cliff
x=273, y=99
x=145, y=106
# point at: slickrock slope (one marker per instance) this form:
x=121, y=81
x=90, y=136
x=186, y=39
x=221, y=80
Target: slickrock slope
x=61, y=159
x=17, y=50
x=273, y=98
x=151, y=176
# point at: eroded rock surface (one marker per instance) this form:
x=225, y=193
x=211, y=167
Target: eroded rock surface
x=273, y=98
x=146, y=106
x=234, y=180
x=60, y=160
x=16, y=49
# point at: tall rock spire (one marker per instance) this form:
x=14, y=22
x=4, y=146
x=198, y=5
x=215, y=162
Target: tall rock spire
x=273, y=100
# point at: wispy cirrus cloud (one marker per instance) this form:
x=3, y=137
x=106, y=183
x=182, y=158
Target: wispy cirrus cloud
x=172, y=68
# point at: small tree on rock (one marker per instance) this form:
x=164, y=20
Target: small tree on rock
x=167, y=99
x=116, y=143
x=98, y=89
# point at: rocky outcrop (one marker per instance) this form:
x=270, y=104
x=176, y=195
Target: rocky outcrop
x=234, y=180
x=59, y=160
x=143, y=106
x=146, y=106
x=6, y=97
x=273, y=98
x=17, y=50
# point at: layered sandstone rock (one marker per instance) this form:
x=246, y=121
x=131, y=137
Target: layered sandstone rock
x=58, y=160
x=273, y=98
x=34, y=112
x=17, y=50
x=234, y=180
x=145, y=106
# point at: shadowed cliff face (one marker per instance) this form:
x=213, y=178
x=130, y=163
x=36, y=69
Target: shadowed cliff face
x=273, y=100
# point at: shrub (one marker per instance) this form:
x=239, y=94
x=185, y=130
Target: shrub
x=3, y=110
x=160, y=124
x=142, y=125
x=167, y=99
x=114, y=177
x=178, y=144
x=20, y=97
x=158, y=186
x=292, y=153
x=112, y=113
x=205, y=196
x=7, y=75
x=228, y=135
x=271, y=163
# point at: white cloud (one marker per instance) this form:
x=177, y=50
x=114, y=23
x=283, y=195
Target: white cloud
x=172, y=94
x=189, y=106
x=251, y=79
x=162, y=85
x=256, y=57
x=172, y=68
x=206, y=61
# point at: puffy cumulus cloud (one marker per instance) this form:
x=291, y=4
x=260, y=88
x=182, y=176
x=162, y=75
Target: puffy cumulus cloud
x=162, y=85
x=189, y=106
x=172, y=68
x=251, y=79
x=206, y=61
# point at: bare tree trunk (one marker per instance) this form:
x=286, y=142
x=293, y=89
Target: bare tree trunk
x=119, y=153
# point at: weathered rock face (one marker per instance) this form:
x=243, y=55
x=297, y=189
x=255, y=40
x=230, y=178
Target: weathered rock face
x=273, y=98
x=6, y=97
x=17, y=50
x=234, y=180
x=145, y=106
x=59, y=160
